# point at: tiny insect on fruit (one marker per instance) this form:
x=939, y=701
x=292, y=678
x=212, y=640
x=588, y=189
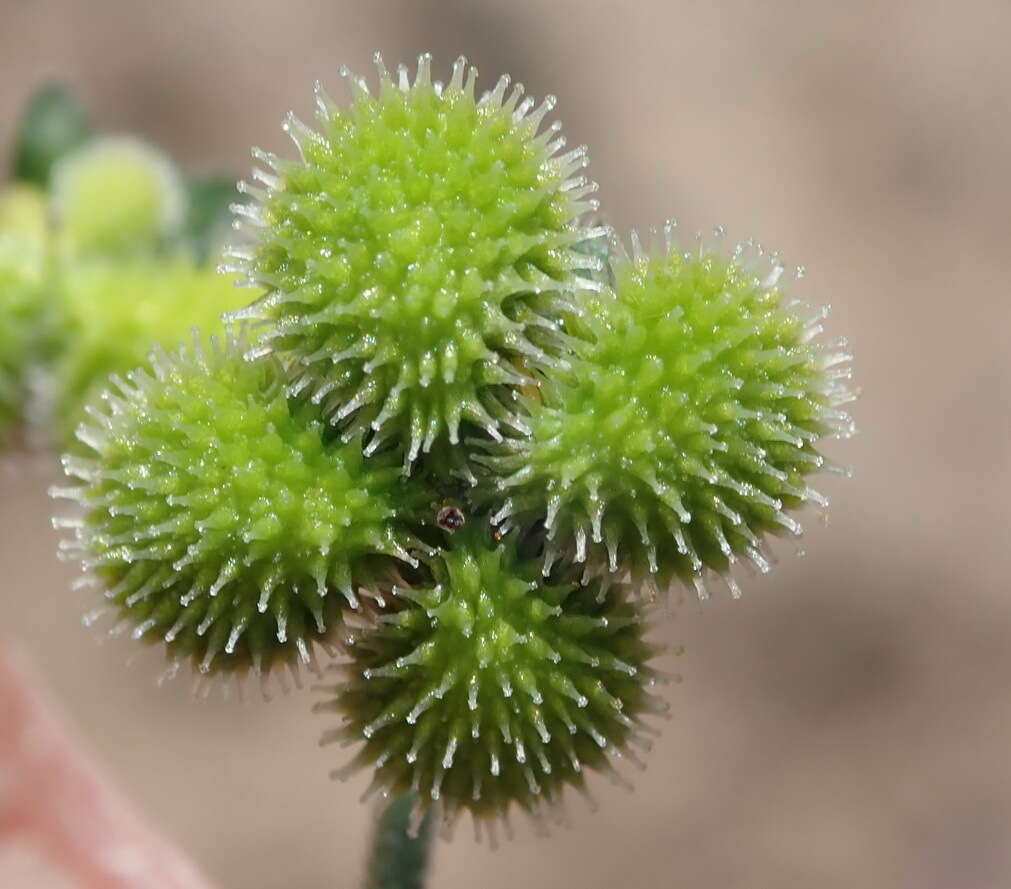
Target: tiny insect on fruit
x=451, y=518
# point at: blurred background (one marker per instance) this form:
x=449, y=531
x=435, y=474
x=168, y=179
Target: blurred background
x=848, y=722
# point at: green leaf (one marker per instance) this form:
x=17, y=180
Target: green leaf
x=52, y=125
x=208, y=216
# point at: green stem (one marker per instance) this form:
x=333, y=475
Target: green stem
x=399, y=860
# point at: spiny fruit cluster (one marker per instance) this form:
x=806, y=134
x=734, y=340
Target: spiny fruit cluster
x=472, y=441
x=112, y=311
x=21, y=265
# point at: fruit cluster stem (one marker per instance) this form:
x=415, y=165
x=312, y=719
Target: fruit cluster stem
x=399, y=856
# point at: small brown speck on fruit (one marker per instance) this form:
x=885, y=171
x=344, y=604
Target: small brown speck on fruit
x=450, y=518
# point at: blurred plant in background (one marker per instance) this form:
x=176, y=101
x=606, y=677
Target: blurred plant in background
x=105, y=249
x=23, y=301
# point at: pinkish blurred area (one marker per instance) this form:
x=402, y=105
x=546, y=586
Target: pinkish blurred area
x=62, y=823
x=847, y=723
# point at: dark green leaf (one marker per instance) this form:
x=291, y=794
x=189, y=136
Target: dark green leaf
x=208, y=216
x=52, y=125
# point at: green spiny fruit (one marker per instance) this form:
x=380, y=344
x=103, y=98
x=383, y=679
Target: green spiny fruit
x=112, y=312
x=116, y=196
x=220, y=521
x=419, y=258
x=688, y=429
x=491, y=686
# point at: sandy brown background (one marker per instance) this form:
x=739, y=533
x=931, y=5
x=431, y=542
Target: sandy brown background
x=848, y=723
